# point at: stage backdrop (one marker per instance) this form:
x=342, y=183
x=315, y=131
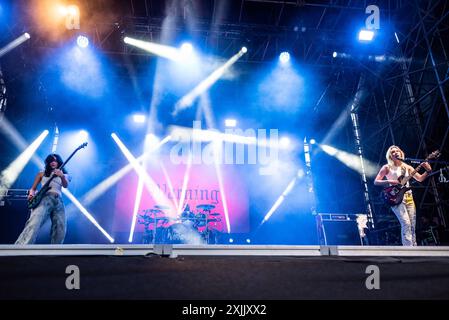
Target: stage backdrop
x=203, y=189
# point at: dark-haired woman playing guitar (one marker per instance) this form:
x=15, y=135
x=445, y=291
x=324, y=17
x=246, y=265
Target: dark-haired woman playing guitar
x=390, y=175
x=51, y=204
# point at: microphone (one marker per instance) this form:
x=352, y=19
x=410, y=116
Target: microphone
x=411, y=160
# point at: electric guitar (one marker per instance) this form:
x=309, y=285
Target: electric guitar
x=34, y=201
x=393, y=195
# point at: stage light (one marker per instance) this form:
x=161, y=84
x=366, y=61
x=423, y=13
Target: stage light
x=230, y=123
x=382, y=58
x=82, y=41
x=244, y=50
x=285, y=142
x=248, y=240
x=396, y=36
x=312, y=141
x=72, y=10
x=231, y=240
x=63, y=10
x=334, y=55
x=139, y=118
x=366, y=35
x=15, y=43
x=186, y=48
x=83, y=135
x=284, y=57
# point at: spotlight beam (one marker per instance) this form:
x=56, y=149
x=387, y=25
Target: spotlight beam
x=221, y=184
x=20, y=143
x=9, y=175
x=204, y=85
x=184, y=184
x=107, y=183
x=16, y=138
x=86, y=213
x=15, y=43
x=149, y=183
x=139, y=192
x=351, y=160
x=170, y=185
x=168, y=52
x=282, y=197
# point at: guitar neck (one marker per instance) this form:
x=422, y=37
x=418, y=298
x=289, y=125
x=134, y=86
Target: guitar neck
x=60, y=168
x=406, y=179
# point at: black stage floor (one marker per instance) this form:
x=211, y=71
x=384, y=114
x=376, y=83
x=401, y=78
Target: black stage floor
x=155, y=277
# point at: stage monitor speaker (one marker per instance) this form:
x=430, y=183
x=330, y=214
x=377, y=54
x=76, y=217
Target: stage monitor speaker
x=338, y=229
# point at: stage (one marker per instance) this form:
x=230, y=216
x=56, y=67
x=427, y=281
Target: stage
x=224, y=150
x=214, y=272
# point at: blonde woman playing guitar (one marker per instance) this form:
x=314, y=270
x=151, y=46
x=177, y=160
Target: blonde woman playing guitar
x=394, y=177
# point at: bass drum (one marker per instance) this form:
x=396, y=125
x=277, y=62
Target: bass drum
x=183, y=233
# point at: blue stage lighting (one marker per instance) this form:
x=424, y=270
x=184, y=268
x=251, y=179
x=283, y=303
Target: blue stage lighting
x=334, y=55
x=231, y=123
x=139, y=118
x=244, y=49
x=83, y=135
x=186, y=48
x=366, y=35
x=82, y=41
x=284, y=142
x=396, y=36
x=284, y=57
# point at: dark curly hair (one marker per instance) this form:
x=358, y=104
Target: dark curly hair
x=50, y=158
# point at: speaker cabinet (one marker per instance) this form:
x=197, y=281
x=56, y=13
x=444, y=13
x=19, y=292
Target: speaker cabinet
x=338, y=229
x=13, y=215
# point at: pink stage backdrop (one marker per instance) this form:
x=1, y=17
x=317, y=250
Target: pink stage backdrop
x=202, y=189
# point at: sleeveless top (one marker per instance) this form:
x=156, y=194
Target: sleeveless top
x=395, y=172
x=55, y=184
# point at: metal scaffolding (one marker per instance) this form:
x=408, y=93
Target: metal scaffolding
x=408, y=105
x=3, y=99
x=406, y=87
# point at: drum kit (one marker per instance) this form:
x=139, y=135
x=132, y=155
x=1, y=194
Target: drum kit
x=202, y=226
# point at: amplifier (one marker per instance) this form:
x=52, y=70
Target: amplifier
x=13, y=214
x=340, y=228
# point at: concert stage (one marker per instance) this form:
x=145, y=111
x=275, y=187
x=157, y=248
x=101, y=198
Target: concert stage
x=217, y=272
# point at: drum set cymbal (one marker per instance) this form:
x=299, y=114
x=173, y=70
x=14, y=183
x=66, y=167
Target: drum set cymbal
x=205, y=207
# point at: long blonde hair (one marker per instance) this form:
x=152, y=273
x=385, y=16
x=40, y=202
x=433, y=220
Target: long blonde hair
x=388, y=155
